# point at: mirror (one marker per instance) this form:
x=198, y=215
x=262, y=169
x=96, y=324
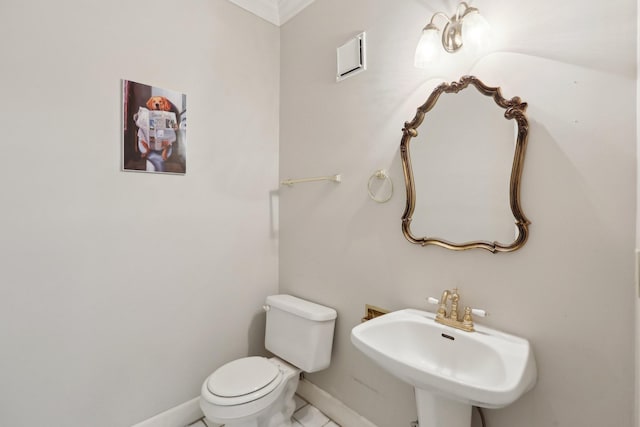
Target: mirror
x=462, y=169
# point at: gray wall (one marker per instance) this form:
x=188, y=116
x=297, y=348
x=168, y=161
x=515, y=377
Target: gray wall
x=120, y=292
x=569, y=290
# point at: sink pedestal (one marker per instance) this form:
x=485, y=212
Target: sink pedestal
x=438, y=411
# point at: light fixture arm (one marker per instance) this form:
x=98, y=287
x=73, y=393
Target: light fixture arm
x=432, y=25
x=464, y=13
x=468, y=9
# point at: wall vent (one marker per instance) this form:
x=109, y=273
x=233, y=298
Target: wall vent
x=352, y=57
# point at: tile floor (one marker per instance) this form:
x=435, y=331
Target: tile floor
x=306, y=415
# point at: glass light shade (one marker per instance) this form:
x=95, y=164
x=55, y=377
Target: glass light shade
x=428, y=48
x=476, y=32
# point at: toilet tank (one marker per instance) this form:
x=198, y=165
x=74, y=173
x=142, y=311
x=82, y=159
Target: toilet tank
x=299, y=331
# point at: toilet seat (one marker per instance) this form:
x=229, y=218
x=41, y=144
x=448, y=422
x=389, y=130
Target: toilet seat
x=243, y=380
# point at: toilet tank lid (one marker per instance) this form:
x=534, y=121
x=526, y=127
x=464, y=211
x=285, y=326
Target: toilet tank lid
x=299, y=307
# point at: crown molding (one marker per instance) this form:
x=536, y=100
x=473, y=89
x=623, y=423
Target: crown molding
x=290, y=8
x=265, y=9
x=275, y=11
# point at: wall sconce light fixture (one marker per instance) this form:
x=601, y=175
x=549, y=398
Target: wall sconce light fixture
x=465, y=27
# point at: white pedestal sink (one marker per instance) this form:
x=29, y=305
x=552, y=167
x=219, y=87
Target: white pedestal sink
x=451, y=370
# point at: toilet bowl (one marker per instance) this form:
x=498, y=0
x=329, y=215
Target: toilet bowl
x=251, y=392
x=258, y=392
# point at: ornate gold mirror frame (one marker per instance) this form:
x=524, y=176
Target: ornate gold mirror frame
x=514, y=110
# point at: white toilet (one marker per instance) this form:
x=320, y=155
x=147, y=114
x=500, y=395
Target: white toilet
x=258, y=392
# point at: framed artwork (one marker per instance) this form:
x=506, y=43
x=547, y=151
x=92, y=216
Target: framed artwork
x=154, y=129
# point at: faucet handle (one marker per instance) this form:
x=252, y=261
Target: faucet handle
x=479, y=312
x=467, y=320
x=442, y=309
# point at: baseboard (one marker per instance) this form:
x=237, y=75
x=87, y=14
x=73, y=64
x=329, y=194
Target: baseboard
x=179, y=416
x=183, y=414
x=330, y=406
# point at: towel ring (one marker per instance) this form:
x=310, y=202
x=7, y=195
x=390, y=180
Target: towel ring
x=380, y=174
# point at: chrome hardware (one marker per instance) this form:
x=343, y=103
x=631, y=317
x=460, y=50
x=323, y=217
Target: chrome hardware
x=335, y=178
x=266, y=307
x=380, y=174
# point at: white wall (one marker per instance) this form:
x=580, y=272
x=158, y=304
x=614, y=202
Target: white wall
x=120, y=292
x=637, y=267
x=569, y=290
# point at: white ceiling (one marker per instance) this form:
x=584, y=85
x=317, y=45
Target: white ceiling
x=275, y=11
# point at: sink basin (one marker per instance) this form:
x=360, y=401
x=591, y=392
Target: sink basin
x=448, y=367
